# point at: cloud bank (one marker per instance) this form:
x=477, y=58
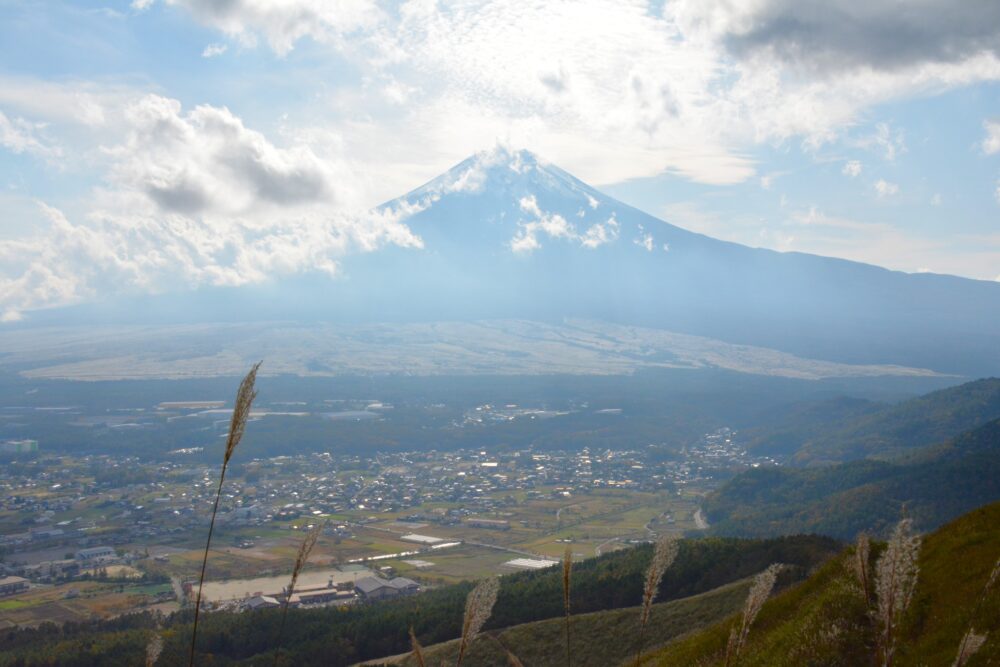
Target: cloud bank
x=610, y=89
x=192, y=199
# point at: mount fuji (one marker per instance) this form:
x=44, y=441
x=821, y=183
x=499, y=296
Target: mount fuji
x=507, y=236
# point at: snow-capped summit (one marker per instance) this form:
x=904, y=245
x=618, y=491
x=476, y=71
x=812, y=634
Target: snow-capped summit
x=513, y=200
x=508, y=234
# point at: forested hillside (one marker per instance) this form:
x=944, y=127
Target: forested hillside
x=845, y=429
x=939, y=484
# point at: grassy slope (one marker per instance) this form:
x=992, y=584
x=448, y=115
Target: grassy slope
x=863, y=495
x=823, y=621
x=597, y=639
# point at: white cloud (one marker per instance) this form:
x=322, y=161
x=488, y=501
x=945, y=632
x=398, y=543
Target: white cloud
x=281, y=22
x=852, y=168
x=207, y=161
x=991, y=144
x=82, y=103
x=20, y=136
x=884, y=188
x=884, y=140
x=214, y=50
x=194, y=199
x=556, y=226
x=996, y=193
x=936, y=199
x=645, y=241
x=621, y=90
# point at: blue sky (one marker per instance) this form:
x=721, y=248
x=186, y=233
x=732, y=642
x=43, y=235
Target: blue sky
x=164, y=143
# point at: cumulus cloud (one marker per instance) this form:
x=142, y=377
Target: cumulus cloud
x=832, y=36
x=207, y=161
x=193, y=199
x=884, y=188
x=991, y=143
x=852, y=168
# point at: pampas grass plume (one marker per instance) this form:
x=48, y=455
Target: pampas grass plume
x=153, y=650
x=895, y=581
x=761, y=589
x=478, y=607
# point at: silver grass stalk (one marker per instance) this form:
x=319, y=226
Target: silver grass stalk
x=761, y=589
x=663, y=557
x=971, y=643
x=245, y=396
x=300, y=560
x=417, y=651
x=478, y=607
x=862, y=551
x=895, y=581
x=567, y=579
x=153, y=650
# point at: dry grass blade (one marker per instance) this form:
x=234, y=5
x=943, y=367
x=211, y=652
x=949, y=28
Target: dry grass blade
x=761, y=589
x=417, y=650
x=478, y=607
x=567, y=580
x=994, y=576
x=308, y=542
x=971, y=643
x=512, y=659
x=241, y=413
x=153, y=650
x=663, y=557
x=895, y=581
x=862, y=553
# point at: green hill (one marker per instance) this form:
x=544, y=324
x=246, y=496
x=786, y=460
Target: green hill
x=845, y=429
x=824, y=620
x=934, y=485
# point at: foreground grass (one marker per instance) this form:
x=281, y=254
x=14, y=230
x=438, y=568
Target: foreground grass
x=599, y=639
x=823, y=621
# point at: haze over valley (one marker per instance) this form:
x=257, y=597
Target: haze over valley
x=570, y=333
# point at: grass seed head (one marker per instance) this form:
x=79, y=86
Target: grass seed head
x=971, y=643
x=153, y=650
x=479, y=606
x=663, y=557
x=241, y=412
